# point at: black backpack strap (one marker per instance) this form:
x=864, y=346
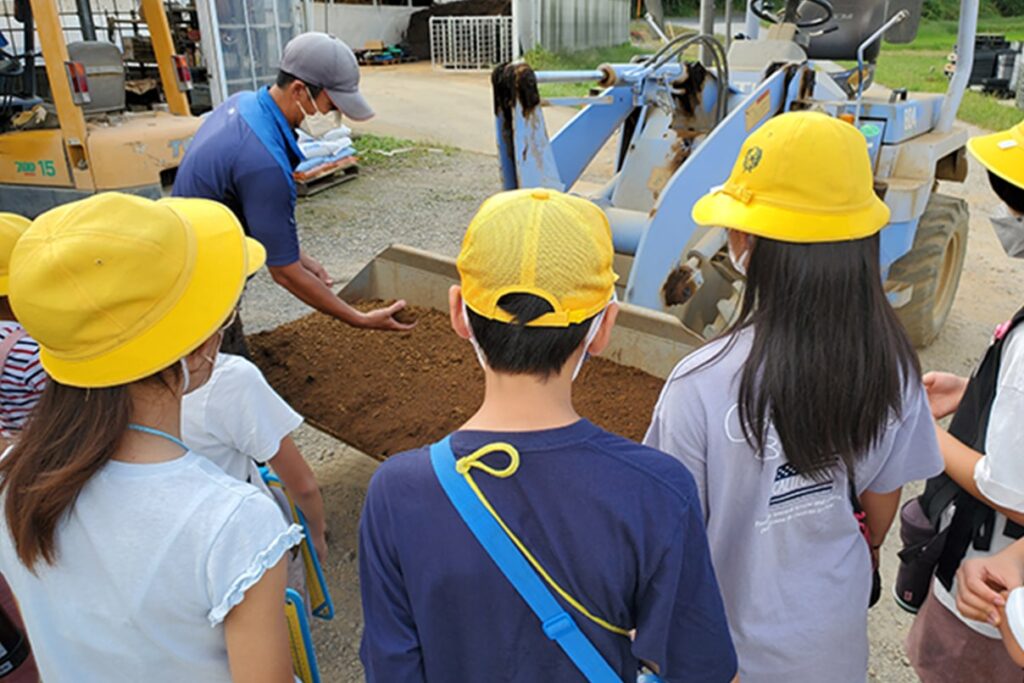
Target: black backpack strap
x=973, y=521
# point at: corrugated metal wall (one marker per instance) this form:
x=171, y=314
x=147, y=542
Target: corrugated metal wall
x=568, y=25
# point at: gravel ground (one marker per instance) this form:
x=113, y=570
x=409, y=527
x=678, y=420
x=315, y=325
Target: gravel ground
x=426, y=200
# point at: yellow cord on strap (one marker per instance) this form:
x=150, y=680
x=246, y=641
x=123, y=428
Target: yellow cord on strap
x=464, y=466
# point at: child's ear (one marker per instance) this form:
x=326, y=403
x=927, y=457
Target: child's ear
x=455, y=312
x=604, y=331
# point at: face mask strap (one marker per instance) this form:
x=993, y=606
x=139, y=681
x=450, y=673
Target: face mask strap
x=739, y=262
x=480, y=357
x=595, y=326
x=186, y=376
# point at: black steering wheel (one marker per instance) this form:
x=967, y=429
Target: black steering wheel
x=765, y=9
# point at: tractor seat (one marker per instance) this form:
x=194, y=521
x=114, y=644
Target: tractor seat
x=104, y=70
x=854, y=22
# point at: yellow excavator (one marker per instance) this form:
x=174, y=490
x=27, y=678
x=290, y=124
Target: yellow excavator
x=66, y=130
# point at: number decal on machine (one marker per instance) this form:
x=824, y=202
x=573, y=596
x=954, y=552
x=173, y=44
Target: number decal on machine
x=44, y=167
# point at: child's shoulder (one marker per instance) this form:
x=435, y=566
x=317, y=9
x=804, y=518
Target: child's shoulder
x=236, y=366
x=405, y=468
x=234, y=373
x=207, y=476
x=627, y=458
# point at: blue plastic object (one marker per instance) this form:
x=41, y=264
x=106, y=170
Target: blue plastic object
x=304, y=662
x=316, y=584
x=555, y=621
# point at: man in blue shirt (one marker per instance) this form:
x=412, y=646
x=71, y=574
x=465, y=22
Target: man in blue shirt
x=617, y=526
x=245, y=152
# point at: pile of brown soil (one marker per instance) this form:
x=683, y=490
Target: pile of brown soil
x=386, y=392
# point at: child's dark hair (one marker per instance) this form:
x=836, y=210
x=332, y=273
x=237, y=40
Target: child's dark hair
x=516, y=349
x=1012, y=195
x=828, y=358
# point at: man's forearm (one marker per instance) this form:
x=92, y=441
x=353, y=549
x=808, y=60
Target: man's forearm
x=310, y=290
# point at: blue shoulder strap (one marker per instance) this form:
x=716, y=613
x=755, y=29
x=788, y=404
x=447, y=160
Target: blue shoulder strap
x=557, y=623
x=269, y=125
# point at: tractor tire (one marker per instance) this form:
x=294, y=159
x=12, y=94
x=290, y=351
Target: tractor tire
x=932, y=268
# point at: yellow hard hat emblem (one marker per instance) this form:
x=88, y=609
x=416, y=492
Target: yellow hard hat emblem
x=752, y=159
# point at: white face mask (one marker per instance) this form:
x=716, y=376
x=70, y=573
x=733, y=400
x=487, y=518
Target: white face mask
x=318, y=124
x=739, y=262
x=595, y=325
x=1010, y=231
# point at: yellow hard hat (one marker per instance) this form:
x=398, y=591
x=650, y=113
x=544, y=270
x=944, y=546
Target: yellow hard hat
x=116, y=287
x=1002, y=153
x=11, y=227
x=539, y=242
x=801, y=177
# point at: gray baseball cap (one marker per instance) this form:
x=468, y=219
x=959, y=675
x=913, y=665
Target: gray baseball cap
x=326, y=62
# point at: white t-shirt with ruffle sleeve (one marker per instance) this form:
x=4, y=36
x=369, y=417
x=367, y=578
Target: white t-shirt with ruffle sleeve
x=149, y=562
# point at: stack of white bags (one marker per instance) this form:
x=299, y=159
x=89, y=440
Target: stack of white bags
x=332, y=147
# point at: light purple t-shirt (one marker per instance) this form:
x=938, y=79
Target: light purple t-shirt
x=794, y=570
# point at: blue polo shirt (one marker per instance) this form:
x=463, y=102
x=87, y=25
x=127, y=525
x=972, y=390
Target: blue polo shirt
x=243, y=156
x=617, y=524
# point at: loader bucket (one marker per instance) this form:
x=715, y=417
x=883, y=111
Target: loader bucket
x=644, y=339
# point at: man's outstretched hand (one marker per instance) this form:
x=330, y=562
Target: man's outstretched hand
x=384, y=318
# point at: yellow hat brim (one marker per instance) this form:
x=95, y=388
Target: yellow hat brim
x=224, y=260
x=1007, y=163
x=788, y=225
x=14, y=225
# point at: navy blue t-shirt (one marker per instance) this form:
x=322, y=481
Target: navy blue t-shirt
x=617, y=524
x=229, y=163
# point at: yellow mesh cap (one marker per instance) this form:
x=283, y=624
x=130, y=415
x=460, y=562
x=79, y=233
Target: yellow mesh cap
x=801, y=177
x=539, y=242
x=116, y=288
x=1001, y=153
x=11, y=228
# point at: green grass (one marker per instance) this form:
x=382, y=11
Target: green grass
x=918, y=67
x=542, y=60
x=941, y=34
x=922, y=72
x=372, y=149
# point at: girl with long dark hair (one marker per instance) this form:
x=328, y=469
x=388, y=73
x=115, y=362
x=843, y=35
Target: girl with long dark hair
x=807, y=409
x=955, y=635
x=132, y=558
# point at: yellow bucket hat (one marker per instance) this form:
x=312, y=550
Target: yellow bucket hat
x=116, y=288
x=539, y=242
x=801, y=177
x=11, y=228
x=1002, y=153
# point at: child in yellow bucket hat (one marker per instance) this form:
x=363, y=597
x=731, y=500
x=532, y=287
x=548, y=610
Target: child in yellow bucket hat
x=808, y=411
x=613, y=527
x=133, y=558
x=976, y=597
x=22, y=378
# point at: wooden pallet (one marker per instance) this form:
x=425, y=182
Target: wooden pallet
x=370, y=61
x=330, y=177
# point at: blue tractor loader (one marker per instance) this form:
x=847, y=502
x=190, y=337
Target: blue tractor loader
x=678, y=126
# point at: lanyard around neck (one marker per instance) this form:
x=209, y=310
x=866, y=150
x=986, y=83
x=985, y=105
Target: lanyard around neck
x=156, y=432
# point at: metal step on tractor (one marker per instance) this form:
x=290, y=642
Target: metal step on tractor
x=680, y=124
